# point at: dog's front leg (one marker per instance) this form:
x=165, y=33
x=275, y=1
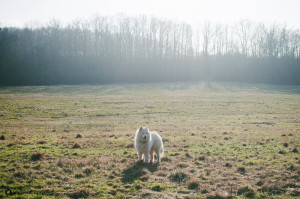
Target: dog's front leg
x=140, y=155
x=146, y=156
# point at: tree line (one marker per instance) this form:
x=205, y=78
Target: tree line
x=119, y=49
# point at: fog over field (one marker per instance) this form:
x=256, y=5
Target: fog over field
x=120, y=48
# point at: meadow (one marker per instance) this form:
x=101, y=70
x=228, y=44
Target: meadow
x=222, y=140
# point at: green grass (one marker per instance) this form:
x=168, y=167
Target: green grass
x=220, y=140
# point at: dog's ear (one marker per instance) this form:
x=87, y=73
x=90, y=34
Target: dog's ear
x=140, y=128
x=147, y=127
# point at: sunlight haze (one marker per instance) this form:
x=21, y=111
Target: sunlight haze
x=20, y=12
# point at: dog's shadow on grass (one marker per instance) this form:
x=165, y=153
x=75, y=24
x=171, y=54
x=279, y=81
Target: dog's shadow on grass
x=138, y=171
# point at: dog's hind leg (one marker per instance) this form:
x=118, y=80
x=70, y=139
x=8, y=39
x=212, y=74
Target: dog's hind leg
x=151, y=156
x=158, y=155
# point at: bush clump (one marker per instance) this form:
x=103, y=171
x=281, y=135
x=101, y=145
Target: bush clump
x=241, y=170
x=201, y=158
x=179, y=177
x=193, y=185
x=37, y=156
x=157, y=187
x=76, y=145
x=228, y=165
x=42, y=142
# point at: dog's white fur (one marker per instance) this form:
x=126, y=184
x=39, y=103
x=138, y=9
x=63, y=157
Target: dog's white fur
x=147, y=143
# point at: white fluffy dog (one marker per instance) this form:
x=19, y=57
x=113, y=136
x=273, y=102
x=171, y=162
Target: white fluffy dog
x=147, y=143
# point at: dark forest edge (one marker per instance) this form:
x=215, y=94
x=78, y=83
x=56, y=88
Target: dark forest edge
x=122, y=49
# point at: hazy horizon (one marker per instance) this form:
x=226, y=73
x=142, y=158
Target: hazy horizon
x=33, y=12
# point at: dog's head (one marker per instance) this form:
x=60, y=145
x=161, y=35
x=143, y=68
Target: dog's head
x=143, y=133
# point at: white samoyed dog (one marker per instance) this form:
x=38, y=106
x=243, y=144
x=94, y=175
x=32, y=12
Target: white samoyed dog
x=147, y=143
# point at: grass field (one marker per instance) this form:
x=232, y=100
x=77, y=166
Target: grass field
x=221, y=141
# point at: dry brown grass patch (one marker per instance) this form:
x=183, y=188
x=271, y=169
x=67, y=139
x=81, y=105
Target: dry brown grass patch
x=81, y=192
x=21, y=142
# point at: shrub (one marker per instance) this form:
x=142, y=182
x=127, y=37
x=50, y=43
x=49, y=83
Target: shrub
x=42, y=142
x=193, y=185
x=2, y=137
x=228, y=165
x=241, y=170
x=88, y=171
x=260, y=183
x=37, y=156
x=295, y=150
x=292, y=168
x=79, y=175
x=78, y=136
x=282, y=152
x=285, y=144
x=201, y=158
x=76, y=145
x=157, y=187
x=187, y=155
x=179, y=177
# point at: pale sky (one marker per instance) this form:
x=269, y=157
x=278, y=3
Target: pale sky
x=23, y=12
